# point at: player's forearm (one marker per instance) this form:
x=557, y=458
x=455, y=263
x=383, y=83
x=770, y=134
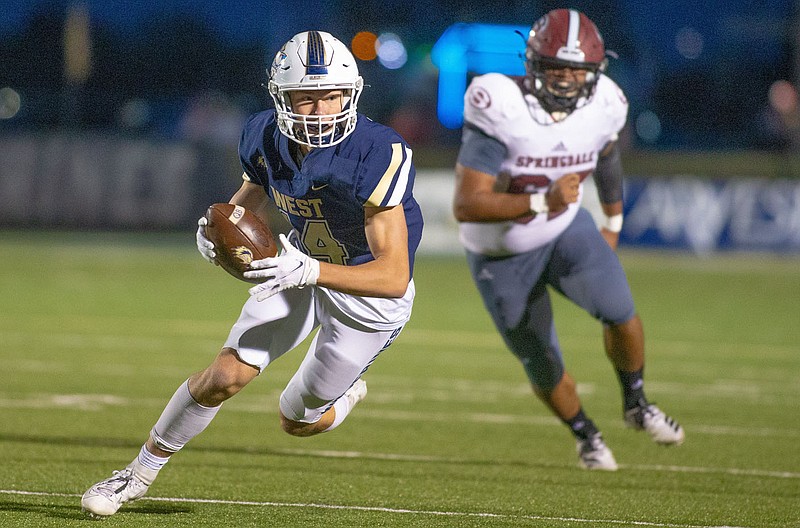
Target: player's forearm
x=612, y=223
x=481, y=197
x=491, y=207
x=377, y=278
x=612, y=209
x=253, y=198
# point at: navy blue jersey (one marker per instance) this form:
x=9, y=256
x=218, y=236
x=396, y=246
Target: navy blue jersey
x=324, y=198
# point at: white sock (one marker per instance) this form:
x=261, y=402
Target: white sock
x=183, y=419
x=342, y=408
x=146, y=465
x=151, y=461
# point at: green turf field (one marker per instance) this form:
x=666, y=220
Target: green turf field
x=99, y=330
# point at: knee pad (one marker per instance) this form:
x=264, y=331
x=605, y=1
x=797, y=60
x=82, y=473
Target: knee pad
x=291, y=404
x=298, y=405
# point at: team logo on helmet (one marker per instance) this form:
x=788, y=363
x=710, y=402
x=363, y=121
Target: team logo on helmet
x=279, y=62
x=540, y=25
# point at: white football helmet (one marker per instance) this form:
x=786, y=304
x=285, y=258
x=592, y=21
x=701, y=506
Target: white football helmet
x=315, y=60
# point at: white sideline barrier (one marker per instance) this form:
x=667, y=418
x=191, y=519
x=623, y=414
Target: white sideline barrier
x=433, y=190
x=680, y=212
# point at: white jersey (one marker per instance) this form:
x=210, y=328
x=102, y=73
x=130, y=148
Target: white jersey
x=540, y=150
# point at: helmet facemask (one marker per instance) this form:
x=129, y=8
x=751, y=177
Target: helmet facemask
x=316, y=130
x=564, y=91
x=315, y=61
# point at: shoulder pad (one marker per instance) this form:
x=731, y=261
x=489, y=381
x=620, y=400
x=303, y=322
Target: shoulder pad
x=251, y=143
x=254, y=126
x=491, y=100
x=612, y=99
x=369, y=132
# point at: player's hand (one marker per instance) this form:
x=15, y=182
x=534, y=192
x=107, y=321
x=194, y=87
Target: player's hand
x=291, y=269
x=204, y=245
x=563, y=191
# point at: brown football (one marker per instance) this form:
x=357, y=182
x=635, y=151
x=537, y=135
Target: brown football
x=239, y=238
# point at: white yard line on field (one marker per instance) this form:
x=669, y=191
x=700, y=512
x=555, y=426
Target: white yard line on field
x=379, y=509
x=436, y=459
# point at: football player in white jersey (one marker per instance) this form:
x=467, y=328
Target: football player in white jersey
x=345, y=185
x=527, y=146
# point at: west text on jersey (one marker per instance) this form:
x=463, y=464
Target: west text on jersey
x=311, y=208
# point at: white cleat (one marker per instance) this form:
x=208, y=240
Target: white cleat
x=106, y=497
x=662, y=429
x=595, y=454
x=356, y=393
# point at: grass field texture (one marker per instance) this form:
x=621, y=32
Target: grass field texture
x=100, y=329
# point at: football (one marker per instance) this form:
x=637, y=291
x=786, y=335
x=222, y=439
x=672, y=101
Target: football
x=239, y=238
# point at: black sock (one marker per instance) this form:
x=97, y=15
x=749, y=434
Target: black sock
x=581, y=426
x=632, y=387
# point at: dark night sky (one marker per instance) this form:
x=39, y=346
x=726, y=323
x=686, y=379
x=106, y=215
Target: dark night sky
x=652, y=23
x=741, y=45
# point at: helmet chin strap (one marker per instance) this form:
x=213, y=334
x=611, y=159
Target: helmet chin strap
x=564, y=105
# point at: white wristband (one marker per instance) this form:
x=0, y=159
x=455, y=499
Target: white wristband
x=613, y=223
x=539, y=203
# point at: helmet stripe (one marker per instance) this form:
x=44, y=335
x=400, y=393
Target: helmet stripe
x=574, y=30
x=315, y=54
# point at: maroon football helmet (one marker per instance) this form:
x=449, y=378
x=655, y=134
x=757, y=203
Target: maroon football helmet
x=564, y=38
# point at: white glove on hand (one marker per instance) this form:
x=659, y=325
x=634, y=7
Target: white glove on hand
x=291, y=269
x=204, y=245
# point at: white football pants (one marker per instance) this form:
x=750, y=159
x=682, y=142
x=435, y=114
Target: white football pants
x=339, y=354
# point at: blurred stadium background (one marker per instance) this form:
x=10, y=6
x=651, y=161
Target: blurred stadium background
x=108, y=109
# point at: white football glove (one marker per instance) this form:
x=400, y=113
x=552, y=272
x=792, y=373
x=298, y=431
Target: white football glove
x=204, y=245
x=291, y=269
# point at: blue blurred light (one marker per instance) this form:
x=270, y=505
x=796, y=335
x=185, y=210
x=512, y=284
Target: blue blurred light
x=475, y=48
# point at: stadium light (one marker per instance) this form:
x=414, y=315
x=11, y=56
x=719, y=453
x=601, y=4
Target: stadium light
x=473, y=48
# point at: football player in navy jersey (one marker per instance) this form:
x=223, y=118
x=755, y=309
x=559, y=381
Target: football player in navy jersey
x=527, y=146
x=345, y=269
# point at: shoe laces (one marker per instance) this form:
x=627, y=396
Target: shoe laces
x=117, y=483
